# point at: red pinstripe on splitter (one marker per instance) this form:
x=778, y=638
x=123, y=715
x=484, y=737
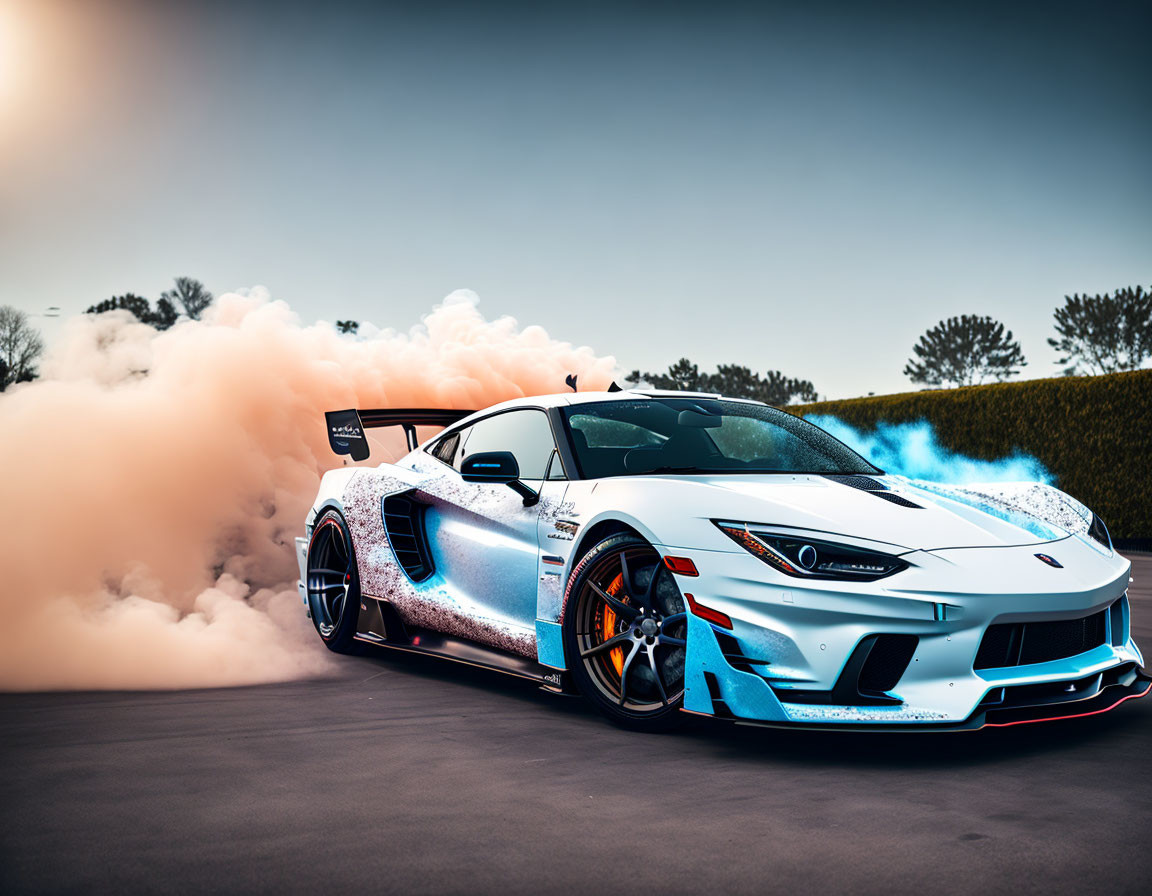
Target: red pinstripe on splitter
x=1079, y=715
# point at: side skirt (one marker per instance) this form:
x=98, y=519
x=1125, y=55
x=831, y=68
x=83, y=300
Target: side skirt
x=380, y=626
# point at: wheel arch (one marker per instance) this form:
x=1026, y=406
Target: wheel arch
x=597, y=532
x=590, y=536
x=608, y=522
x=319, y=509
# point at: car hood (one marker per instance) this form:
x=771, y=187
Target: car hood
x=943, y=516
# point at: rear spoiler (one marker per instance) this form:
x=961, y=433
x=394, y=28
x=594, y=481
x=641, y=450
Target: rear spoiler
x=346, y=428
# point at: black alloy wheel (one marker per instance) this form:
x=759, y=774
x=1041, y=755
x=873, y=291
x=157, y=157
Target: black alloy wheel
x=625, y=634
x=333, y=584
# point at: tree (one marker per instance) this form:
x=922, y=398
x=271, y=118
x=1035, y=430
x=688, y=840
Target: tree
x=733, y=380
x=348, y=326
x=964, y=351
x=190, y=295
x=1103, y=334
x=165, y=314
x=778, y=389
x=20, y=347
x=683, y=376
x=773, y=388
x=162, y=317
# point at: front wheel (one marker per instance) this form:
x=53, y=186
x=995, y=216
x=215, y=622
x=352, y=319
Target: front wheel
x=625, y=634
x=333, y=583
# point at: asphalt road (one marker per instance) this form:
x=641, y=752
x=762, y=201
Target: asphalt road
x=407, y=774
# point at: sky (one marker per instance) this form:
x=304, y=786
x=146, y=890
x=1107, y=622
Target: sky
x=805, y=187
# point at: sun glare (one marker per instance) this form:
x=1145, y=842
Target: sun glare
x=7, y=52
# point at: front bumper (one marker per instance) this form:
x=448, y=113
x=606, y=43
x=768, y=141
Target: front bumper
x=796, y=646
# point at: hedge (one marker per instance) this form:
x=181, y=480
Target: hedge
x=1094, y=433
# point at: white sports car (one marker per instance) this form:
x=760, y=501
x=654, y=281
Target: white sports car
x=671, y=552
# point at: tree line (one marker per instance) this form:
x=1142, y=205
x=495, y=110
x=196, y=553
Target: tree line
x=21, y=344
x=1094, y=335
x=189, y=296
x=733, y=380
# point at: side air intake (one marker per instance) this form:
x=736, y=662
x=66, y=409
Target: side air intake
x=887, y=661
x=874, y=668
x=404, y=523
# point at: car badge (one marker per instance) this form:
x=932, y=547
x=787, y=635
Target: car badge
x=1051, y=561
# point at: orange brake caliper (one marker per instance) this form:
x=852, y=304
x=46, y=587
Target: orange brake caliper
x=608, y=625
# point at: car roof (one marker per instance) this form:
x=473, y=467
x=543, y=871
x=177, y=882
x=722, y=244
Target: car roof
x=567, y=399
x=562, y=399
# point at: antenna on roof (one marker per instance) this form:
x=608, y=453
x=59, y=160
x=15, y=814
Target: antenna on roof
x=570, y=381
x=614, y=387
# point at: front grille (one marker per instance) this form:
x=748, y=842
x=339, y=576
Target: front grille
x=1118, y=621
x=1025, y=643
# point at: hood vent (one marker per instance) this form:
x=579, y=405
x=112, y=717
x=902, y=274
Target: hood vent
x=864, y=483
x=875, y=487
x=898, y=501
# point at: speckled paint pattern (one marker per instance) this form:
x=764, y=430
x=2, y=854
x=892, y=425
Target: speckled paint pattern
x=877, y=715
x=429, y=605
x=379, y=574
x=1029, y=505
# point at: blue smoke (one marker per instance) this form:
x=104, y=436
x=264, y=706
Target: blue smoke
x=913, y=450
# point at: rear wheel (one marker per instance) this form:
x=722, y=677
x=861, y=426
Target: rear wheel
x=625, y=634
x=333, y=584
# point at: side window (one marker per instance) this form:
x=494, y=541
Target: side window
x=526, y=434
x=602, y=432
x=445, y=449
x=555, y=467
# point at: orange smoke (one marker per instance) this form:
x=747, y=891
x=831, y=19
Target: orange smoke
x=153, y=482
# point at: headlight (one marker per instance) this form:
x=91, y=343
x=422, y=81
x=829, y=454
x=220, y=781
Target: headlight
x=810, y=558
x=1099, y=532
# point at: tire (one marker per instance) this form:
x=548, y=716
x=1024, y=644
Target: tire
x=622, y=594
x=333, y=583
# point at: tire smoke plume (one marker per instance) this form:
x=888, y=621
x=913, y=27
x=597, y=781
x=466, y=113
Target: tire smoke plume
x=153, y=482
x=914, y=450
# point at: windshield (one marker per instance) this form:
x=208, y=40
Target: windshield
x=701, y=435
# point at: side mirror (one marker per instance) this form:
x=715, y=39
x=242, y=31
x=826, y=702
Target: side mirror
x=497, y=468
x=490, y=466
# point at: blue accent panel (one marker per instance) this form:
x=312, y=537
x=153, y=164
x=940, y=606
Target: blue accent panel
x=747, y=695
x=550, y=644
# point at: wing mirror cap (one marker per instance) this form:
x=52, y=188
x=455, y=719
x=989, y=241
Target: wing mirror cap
x=498, y=467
